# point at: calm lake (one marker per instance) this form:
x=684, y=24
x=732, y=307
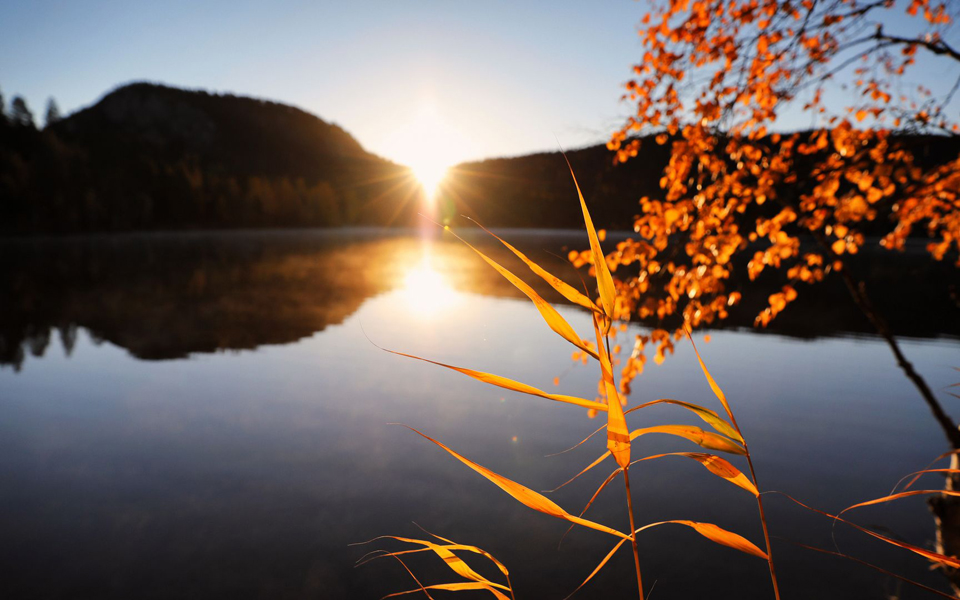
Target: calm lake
x=207, y=416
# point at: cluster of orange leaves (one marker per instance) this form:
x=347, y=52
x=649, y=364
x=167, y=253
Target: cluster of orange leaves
x=714, y=76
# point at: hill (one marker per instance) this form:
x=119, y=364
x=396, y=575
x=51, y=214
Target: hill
x=151, y=157
x=148, y=156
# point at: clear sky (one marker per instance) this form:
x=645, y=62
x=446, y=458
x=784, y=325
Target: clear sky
x=503, y=78
x=474, y=79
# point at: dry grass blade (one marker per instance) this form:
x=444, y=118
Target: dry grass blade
x=455, y=546
x=710, y=417
x=509, y=384
x=450, y=587
x=713, y=384
x=420, y=589
x=565, y=290
x=618, y=440
x=454, y=562
x=716, y=534
x=875, y=567
x=587, y=468
x=898, y=496
x=705, y=439
x=918, y=474
x=605, y=286
x=715, y=465
x=557, y=323
x=522, y=494
x=603, y=562
x=928, y=554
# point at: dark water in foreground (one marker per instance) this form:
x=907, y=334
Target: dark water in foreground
x=199, y=416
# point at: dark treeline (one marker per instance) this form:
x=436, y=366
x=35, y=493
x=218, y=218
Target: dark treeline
x=153, y=157
x=537, y=191
x=149, y=157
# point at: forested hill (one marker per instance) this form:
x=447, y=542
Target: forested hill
x=154, y=157
x=536, y=190
x=149, y=157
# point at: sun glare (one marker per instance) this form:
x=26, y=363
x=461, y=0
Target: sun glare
x=427, y=144
x=425, y=291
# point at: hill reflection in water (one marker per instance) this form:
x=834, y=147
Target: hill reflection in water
x=164, y=296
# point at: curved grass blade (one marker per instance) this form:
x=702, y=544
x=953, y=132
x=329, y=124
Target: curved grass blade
x=509, y=384
x=565, y=290
x=898, y=496
x=475, y=549
x=705, y=439
x=618, y=440
x=450, y=587
x=875, y=567
x=713, y=384
x=715, y=465
x=605, y=286
x=553, y=319
x=522, y=494
x=454, y=562
x=710, y=417
x=928, y=554
x=716, y=534
x=696, y=435
x=603, y=562
x=420, y=589
x=918, y=474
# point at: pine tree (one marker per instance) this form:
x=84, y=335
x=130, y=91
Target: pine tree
x=20, y=114
x=53, y=113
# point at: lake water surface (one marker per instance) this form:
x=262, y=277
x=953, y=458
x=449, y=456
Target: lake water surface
x=203, y=415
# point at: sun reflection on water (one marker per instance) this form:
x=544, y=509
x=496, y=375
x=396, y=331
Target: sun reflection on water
x=425, y=291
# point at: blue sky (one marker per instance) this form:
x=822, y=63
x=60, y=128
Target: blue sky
x=506, y=77
x=503, y=78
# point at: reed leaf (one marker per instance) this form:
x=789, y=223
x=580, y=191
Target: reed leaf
x=567, y=291
x=706, y=439
x=716, y=534
x=710, y=417
x=713, y=384
x=550, y=315
x=509, y=384
x=522, y=494
x=451, y=587
x=918, y=474
x=608, y=293
x=715, y=465
x=936, y=557
x=618, y=440
x=454, y=562
x=898, y=496
x=603, y=562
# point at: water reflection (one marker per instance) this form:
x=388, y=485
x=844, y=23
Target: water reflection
x=246, y=474
x=165, y=296
x=425, y=291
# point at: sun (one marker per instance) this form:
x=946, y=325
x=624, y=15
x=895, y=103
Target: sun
x=427, y=144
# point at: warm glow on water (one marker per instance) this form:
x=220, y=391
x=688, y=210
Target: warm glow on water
x=425, y=291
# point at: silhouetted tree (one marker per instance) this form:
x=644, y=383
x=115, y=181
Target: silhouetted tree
x=3, y=110
x=53, y=113
x=20, y=113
